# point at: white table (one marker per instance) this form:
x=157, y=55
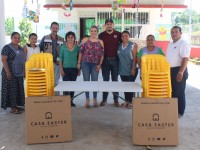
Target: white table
x=98, y=86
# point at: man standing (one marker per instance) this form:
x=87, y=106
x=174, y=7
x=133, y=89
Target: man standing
x=111, y=39
x=51, y=44
x=178, y=53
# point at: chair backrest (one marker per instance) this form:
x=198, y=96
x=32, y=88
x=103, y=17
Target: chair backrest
x=154, y=62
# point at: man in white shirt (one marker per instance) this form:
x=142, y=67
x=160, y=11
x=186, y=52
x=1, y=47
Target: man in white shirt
x=178, y=53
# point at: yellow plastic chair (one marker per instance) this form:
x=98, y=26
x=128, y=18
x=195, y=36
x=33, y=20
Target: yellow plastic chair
x=156, y=81
x=40, y=72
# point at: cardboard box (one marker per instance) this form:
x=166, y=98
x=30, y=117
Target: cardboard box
x=48, y=119
x=155, y=121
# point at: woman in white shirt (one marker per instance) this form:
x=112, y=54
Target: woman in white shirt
x=31, y=48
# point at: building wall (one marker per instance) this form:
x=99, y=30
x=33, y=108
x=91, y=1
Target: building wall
x=57, y=14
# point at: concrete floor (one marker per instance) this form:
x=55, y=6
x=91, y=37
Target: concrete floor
x=107, y=128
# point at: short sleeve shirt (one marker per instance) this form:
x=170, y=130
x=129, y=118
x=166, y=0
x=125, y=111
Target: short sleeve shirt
x=111, y=42
x=141, y=52
x=177, y=51
x=91, y=52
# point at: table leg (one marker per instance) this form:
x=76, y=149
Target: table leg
x=77, y=95
x=119, y=97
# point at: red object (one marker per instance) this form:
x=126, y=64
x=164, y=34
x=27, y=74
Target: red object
x=111, y=43
x=194, y=53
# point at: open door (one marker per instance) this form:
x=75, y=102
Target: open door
x=85, y=24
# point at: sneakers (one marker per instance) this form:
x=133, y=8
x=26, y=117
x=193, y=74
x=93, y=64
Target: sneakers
x=103, y=102
x=116, y=103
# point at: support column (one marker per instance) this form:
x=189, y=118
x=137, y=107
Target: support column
x=2, y=25
x=2, y=33
x=190, y=22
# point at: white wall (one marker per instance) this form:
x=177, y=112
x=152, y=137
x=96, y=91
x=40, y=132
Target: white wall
x=57, y=14
x=155, y=19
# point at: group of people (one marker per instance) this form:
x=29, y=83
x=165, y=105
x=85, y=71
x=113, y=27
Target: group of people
x=111, y=51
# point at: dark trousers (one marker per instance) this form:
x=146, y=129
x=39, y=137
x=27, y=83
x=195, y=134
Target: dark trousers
x=129, y=95
x=178, y=88
x=70, y=75
x=110, y=66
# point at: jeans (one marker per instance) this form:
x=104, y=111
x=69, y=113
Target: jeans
x=129, y=95
x=56, y=77
x=89, y=69
x=110, y=65
x=178, y=88
x=56, y=74
x=70, y=75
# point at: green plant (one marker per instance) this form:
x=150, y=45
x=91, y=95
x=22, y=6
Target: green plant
x=9, y=25
x=182, y=18
x=25, y=28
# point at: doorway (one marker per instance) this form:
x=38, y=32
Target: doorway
x=85, y=24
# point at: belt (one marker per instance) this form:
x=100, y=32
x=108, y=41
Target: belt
x=110, y=58
x=175, y=67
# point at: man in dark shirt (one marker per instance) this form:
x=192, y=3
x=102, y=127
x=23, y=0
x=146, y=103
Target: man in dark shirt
x=111, y=39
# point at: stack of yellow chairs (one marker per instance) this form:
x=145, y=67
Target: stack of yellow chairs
x=156, y=81
x=40, y=75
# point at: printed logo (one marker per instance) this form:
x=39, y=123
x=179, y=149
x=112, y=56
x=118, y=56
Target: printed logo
x=48, y=115
x=49, y=121
x=155, y=117
x=115, y=36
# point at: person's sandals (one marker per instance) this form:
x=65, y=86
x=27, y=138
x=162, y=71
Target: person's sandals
x=95, y=103
x=124, y=105
x=129, y=106
x=15, y=110
x=116, y=103
x=21, y=108
x=87, y=103
x=103, y=102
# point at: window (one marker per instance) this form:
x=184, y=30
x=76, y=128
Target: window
x=136, y=18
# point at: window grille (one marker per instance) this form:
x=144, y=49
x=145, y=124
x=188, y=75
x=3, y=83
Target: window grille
x=132, y=18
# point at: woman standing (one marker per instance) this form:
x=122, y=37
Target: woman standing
x=90, y=59
x=149, y=49
x=31, y=48
x=13, y=59
x=127, y=65
x=68, y=61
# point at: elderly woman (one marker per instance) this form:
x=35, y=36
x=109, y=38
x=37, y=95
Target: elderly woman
x=149, y=49
x=13, y=58
x=90, y=58
x=127, y=65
